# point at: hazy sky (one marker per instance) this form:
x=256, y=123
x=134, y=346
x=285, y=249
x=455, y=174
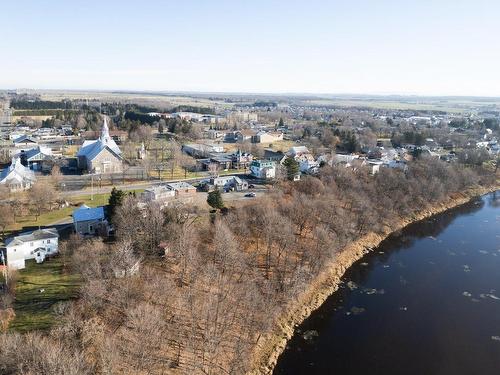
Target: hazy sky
x=339, y=46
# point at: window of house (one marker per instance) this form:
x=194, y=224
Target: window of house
x=48, y=241
x=31, y=244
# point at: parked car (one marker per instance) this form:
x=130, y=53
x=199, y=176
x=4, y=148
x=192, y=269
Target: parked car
x=250, y=195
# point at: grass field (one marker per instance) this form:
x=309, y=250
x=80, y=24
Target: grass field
x=44, y=219
x=48, y=218
x=34, y=309
x=447, y=104
x=34, y=117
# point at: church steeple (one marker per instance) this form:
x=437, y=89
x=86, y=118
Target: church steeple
x=105, y=131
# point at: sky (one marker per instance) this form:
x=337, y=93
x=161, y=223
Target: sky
x=420, y=47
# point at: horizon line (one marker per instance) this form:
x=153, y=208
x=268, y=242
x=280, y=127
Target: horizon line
x=256, y=93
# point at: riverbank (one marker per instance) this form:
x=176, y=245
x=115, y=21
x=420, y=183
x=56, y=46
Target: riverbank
x=271, y=346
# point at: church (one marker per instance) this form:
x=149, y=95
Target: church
x=101, y=155
x=17, y=177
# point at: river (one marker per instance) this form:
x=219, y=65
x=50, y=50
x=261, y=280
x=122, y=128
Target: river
x=426, y=301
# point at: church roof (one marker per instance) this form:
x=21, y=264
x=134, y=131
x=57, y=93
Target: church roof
x=90, y=149
x=16, y=173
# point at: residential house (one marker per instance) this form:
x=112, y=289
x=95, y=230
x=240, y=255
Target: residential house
x=88, y=221
x=307, y=163
x=277, y=156
x=199, y=150
x=267, y=137
x=17, y=177
x=229, y=183
x=221, y=162
x=242, y=117
x=38, y=245
x=214, y=134
x=344, y=158
x=24, y=142
x=158, y=193
x=102, y=155
x=38, y=158
x=241, y=160
x=182, y=189
x=265, y=169
x=243, y=135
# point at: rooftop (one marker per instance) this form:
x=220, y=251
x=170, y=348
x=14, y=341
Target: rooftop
x=40, y=234
x=86, y=213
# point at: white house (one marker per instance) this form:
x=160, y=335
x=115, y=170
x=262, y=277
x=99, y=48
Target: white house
x=31, y=245
x=87, y=220
x=101, y=155
x=306, y=161
x=158, y=193
x=265, y=169
x=267, y=137
x=229, y=182
x=17, y=177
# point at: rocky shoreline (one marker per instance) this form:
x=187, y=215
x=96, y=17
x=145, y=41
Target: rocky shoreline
x=272, y=345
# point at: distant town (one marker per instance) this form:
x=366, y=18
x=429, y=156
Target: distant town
x=113, y=185
x=63, y=147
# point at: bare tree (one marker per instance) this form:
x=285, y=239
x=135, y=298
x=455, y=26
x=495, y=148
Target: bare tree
x=41, y=197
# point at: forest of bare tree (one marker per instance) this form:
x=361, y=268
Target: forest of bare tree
x=181, y=291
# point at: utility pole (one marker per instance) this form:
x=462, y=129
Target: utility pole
x=5, y=272
x=91, y=186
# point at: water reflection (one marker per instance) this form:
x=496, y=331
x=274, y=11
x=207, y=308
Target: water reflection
x=427, y=293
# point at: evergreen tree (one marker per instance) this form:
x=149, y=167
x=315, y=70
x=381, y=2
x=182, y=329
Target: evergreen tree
x=281, y=123
x=214, y=199
x=292, y=168
x=115, y=201
x=160, y=127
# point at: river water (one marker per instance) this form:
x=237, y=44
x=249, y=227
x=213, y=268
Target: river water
x=427, y=301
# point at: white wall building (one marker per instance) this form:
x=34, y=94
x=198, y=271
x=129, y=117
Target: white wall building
x=158, y=193
x=265, y=169
x=17, y=177
x=31, y=245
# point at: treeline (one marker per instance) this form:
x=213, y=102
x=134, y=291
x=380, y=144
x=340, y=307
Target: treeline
x=37, y=112
x=190, y=108
x=181, y=293
x=40, y=104
x=143, y=118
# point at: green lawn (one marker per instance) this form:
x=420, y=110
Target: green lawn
x=98, y=199
x=35, y=310
x=48, y=218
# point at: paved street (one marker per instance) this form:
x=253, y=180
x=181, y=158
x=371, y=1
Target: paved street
x=5, y=113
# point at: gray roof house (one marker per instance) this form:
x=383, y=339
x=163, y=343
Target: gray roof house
x=17, y=177
x=36, y=245
x=101, y=155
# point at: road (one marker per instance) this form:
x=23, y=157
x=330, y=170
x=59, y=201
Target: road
x=131, y=186
x=6, y=114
